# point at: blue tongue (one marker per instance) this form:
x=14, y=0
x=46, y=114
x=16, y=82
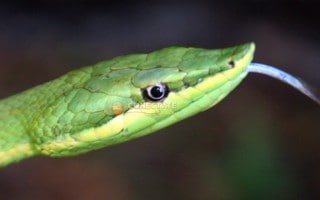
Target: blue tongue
x=297, y=83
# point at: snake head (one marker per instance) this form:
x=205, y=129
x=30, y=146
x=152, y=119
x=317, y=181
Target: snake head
x=134, y=95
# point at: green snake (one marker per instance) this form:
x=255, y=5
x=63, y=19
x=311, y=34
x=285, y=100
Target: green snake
x=123, y=98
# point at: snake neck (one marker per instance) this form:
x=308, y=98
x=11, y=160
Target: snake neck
x=21, y=114
x=15, y=143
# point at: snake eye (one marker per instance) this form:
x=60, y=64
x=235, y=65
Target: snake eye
x=157, y=92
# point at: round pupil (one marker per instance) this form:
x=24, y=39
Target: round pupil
x=157, y=91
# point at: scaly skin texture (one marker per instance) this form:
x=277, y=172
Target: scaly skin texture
x=103, y=104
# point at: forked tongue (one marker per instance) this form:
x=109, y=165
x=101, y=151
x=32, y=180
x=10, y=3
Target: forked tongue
x=297, y=83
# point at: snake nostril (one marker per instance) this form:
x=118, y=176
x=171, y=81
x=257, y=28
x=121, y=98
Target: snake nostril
x=231, y=64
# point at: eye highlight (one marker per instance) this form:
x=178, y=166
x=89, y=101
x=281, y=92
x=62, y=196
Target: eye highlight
x=156, y=92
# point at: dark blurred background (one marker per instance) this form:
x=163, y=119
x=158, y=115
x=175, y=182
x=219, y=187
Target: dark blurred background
x=261, y=142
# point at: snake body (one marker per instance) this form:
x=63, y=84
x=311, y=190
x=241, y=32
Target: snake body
x=108, y=103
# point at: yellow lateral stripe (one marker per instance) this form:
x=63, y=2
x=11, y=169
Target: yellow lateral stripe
x=17, y=153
